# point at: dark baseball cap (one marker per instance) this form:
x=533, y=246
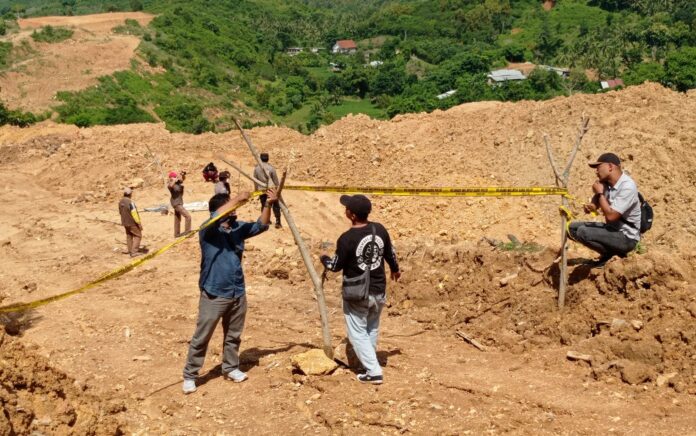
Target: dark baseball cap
x=606, y=158
x=358, y=204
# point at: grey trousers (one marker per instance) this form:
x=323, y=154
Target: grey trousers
x=362, y=326
x=605, y=239
x=211, y=309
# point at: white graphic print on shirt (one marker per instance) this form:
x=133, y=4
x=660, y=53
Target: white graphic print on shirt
x=366, y=250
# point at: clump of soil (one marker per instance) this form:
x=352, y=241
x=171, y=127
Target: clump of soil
x=35, y=397
x=636, y=317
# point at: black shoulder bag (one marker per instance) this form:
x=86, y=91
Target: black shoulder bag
x=358, y=288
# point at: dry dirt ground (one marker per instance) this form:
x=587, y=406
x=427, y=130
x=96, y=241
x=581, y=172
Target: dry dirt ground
x=110, y=359
x=93, y=51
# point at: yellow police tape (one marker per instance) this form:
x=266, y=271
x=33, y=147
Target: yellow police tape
x=419, y=192
x=20, y=307
x=437, y=192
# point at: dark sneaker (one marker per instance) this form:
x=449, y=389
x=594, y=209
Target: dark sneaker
x=601, y=261
x=278, y=226
x=372, y=379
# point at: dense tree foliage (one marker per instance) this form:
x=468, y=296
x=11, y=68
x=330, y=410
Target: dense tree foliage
x=229, y=57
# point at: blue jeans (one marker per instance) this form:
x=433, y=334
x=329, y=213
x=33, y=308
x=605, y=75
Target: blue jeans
x=362, y=326
x=605, y=239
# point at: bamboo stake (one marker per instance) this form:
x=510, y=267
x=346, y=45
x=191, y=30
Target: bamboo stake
x=304, y=251
x=159, y=164
x=241, y=171
x=562, y=181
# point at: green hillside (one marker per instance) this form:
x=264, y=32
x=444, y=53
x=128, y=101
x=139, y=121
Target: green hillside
x=225, y=57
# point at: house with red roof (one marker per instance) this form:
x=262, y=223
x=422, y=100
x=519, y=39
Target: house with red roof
x=611, y=84
x=344, y=46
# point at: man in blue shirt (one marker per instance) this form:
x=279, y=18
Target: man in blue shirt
x=222, y=285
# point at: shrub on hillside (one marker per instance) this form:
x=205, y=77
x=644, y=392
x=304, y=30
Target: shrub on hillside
x=184, y=117
x=5, y=49
x=16, y=118
x=51, y=34
x=680, y=68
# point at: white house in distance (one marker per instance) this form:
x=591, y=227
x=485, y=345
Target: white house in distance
x=344, y=46
x=563, y=72
x=444, y=95
x=498, y=77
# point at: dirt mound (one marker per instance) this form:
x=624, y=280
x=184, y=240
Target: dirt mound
x=637, y=314
x=46, y=68
x=634, y=318
x=35, y=397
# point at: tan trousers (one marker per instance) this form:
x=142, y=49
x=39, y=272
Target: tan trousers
x=133, y=237
x=180, y=211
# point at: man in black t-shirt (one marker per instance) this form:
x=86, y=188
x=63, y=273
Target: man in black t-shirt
x=356, y=250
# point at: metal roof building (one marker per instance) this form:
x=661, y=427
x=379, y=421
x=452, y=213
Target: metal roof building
x=499, y=76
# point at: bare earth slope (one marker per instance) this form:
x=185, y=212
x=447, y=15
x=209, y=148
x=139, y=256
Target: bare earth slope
x=127, y=338
x=46, y=68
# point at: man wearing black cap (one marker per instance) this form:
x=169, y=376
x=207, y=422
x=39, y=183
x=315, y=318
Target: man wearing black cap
x=260, y=175
x=364, y=243
x=616, y=196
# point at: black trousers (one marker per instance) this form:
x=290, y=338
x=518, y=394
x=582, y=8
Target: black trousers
x=605, y=239
x=275, y=206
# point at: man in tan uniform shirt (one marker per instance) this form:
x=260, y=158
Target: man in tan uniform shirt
x=130, y=220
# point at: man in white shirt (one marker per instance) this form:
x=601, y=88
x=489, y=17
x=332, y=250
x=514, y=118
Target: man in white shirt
x=616, y=197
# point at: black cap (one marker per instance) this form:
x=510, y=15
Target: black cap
x=224, y=175
x=264, y=157
x=358, y=204
x=606, y=158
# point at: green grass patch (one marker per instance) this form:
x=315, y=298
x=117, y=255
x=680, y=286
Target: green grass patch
x=5, y=50
x=518, y=246
x=641, y=248
x=130, y=27
x=51, y=34
x=356, y=106
x=418, y=67
x=299, y=117
x=320, y=73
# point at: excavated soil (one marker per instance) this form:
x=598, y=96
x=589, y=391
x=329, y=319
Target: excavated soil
x=42, y=69
x=35, y=397
x=633, y=322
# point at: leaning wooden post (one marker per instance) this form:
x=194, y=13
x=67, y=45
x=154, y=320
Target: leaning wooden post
x=562, y=181
x=240, y=170
x=304, y=251
x=159, y=165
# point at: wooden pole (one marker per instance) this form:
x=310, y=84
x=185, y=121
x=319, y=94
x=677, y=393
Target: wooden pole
x=562, y=181
x=159, y=164
x=304, y=251
x=240, y=170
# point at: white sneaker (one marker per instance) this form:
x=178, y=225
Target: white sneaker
x=189, y=386
x=237, y=376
